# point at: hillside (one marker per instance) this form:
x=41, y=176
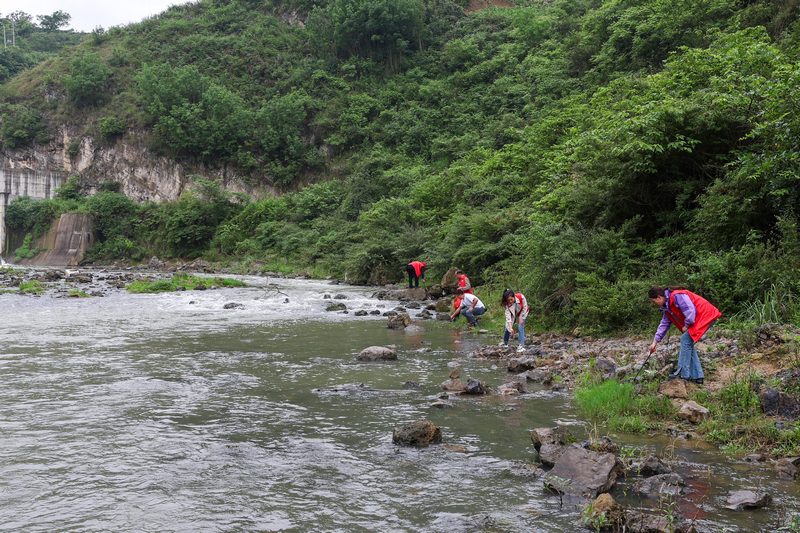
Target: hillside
x=579, y=150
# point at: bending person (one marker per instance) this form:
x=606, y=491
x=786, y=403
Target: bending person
x=416, y=270
x=516, y=311
x=463, y=282
x=471, y=307
x=692, y=315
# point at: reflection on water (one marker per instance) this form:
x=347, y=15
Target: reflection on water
x=170, y=413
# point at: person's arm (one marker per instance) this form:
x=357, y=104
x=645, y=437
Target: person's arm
x=467, y=284
x=663, y=326
x=456, y=312
x=510, y=319
x=688, y=309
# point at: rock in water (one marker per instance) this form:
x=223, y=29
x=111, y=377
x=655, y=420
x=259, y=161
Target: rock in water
x=377, y=353
x=453, y=385
x=336, y=307
x=671, y=484
x=475, y=387
x=449, y=281
x=233, y=305
x=398, y=321
x=550, y=443
x=652, y=466
x=583, y=472
x=747, y=499
x=420, y=434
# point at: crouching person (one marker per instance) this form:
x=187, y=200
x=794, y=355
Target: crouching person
x=471, y=307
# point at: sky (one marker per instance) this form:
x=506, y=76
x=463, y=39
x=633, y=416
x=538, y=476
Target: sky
x=89, y=14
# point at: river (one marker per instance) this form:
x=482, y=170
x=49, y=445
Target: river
x=169, y=413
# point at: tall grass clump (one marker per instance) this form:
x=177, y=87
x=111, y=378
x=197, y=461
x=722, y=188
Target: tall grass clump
x=620, y=406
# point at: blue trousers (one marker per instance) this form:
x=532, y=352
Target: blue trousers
x=470, y=315
x=507, y=334
x=689, y=366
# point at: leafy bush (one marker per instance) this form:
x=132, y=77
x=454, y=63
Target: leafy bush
x=21, y=126
x=88, y=79
x=111, y=127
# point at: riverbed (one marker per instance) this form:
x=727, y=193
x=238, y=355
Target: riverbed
x=169, y=412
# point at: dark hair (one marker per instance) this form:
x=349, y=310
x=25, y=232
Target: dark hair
x=459, y=271
x=460, y=290
x=506, y=294
x=655, y=292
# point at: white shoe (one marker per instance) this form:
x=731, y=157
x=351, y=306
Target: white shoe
x=520, y=348
x=503, y=345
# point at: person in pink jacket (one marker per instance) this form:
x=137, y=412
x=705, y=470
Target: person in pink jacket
x=516, y=307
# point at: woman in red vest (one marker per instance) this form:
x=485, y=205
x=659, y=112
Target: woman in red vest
x=463, y=282
x=692, y=315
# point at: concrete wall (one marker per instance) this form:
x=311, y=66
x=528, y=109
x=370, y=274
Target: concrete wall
x=18, y=182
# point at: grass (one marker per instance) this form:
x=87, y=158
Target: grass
x=621, y=407
x=31, y=287
x=182, y=282
x=77, y=293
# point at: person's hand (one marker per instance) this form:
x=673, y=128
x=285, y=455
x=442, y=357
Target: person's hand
x=685, y=329
x=653, y=347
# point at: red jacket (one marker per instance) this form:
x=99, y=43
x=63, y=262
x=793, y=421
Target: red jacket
x=418, y=266
x=705, y=314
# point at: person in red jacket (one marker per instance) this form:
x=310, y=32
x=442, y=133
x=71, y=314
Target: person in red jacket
x=463, y=282
x=416, y=270
x=692, y=315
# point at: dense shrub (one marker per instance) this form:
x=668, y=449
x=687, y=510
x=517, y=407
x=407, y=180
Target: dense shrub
x=88, y=80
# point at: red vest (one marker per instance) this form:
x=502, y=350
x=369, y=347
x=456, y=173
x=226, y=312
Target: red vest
x=457, y=301
x=462, y=282
x=417, y=266
x=705, y=314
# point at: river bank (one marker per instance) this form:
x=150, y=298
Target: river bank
x=430, y=353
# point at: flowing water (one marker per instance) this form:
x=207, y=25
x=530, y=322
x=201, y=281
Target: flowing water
x=169, y=413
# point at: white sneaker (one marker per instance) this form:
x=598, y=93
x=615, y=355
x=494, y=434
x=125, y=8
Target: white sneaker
x=520, y=348
x=503, y=345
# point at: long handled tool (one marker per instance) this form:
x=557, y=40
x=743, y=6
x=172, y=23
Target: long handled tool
x=636, y=377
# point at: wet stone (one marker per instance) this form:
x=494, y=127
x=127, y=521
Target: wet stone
x=671, y=484
x=360, y=313
x=652, y=466
x=475, y=387
x=336, y=307
x=420, y=434
x=747, y=499
x=377, y=353
x=233, y=305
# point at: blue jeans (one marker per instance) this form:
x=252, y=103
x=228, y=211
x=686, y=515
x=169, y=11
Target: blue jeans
x=507, y=334
x=470, y=315
x=689, y=366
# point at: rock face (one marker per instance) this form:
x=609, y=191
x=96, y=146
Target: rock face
x=550, y=443
x=776, y=403
x=693, y=412
x=420, y=434
x=377, y=353
x=583, y=472
x=747, y=499
x=398, y=321
x=661, y=484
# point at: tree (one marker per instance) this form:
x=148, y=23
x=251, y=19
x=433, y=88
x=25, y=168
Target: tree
x=53, y=22
x=87, y=80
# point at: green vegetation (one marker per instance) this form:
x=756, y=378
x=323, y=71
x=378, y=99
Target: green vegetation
x=27, y=250
x=576, y=150
x=182, y=282
x=77, y=293
x=31, y=287
x=618, y=405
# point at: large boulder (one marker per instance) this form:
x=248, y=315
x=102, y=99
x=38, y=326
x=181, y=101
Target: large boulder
x=583, y=472
x=377, y=353
x=747, y=499
x=550, y=443
x=542, y=375
x=776, y=403
x=653, y=486
x=398, y=321
x=336, y=307
x=693, y=412
x=416, y=294
x=444, y=305
x=419, y=433
x=449, y=281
